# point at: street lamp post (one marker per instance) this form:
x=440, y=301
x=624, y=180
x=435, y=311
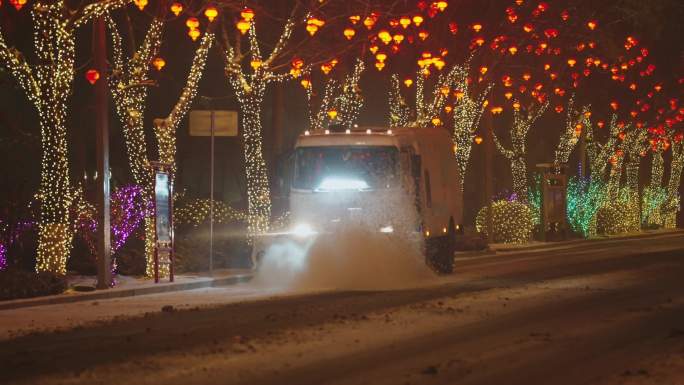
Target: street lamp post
x=104, y=273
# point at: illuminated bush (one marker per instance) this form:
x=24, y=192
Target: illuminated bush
x=614, y=218
x=196, y=212
x=584, y=200
x=512, y=222
x=534, y=198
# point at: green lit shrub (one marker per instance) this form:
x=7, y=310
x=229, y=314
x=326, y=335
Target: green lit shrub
x=583, y=202
x=512, y=222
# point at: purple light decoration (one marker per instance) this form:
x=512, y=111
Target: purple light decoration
x=128, y=210
x=7, y=240
x=3, y=257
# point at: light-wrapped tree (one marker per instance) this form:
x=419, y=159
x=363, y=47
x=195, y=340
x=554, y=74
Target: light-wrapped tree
x=48, y=84
x=576, y=121
x=129, y=84
x=340, y=103
x=467, y=113
x=516, y=155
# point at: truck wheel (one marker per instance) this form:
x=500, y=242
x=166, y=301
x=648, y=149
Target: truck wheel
x=439, y=252
x=447, y=250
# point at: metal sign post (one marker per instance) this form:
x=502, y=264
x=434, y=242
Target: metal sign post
x=104, y=260
x=211, y=199
x=220, y=123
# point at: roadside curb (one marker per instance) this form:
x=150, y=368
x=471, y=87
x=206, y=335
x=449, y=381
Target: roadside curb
x=465, y=255
x=580, y=242
x=111, y=294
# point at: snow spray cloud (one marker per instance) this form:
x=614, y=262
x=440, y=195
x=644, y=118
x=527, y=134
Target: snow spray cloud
x=362, y=241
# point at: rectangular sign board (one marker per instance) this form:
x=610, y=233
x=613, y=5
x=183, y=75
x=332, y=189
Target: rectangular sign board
x=161, y=194
x=225, y=123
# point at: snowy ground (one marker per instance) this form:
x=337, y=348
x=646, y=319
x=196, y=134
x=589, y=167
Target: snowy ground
x=608, y=313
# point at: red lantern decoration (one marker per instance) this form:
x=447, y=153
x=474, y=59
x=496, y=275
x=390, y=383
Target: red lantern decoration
x=18, y=4
x=92, y=75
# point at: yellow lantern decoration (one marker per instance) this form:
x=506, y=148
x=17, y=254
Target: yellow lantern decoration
x=332, y=114
x=311, y=29
x=194, y=34
x=369, y=22
x=381, y=57
x=436, y=121
x=243, y=26
x=379, y=65
x=418, y=20
x=158, y=63
x=349, y=33
x=478, y=139
x=192, y=23
x=326, y=68
x=141, y=4
x=255, y=64
x=247, y=14
x=313, y=24
x=306, y=83
x=408, y=82
x=210, y=13
x=385, y=36
x=176, y=8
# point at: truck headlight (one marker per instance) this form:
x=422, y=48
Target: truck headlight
x=387, y=229
x=303, y=230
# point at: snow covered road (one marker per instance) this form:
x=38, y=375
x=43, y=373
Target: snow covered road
x=604, y=313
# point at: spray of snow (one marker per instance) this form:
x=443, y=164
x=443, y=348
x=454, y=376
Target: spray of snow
x=355, y=255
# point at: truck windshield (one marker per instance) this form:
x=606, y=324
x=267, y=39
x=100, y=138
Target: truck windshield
x=330, y=168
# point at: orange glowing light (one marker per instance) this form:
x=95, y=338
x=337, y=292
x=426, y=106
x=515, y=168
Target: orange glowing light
x=210, y=13
x=176, y=8
x=349, y=33
x=158, y=63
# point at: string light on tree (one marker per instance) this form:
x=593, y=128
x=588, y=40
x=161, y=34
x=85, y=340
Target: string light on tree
x=468, y=110
x=250, y=90
x=48, y=87
x=576, y=122
x=129, y=84
x=522, y=122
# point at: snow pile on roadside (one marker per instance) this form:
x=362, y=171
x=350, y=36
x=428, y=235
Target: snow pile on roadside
x=353, y=259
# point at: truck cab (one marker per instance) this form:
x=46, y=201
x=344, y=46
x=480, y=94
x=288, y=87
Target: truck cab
x=399, y=181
